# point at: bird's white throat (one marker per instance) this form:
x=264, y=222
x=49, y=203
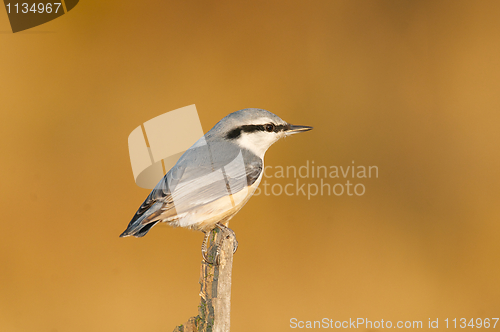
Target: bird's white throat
x=257, y=142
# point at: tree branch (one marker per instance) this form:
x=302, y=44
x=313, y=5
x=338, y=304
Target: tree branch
x=215, y=280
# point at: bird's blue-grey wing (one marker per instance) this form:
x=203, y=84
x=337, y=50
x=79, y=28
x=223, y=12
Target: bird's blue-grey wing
x=205, y=173
x=215, y=179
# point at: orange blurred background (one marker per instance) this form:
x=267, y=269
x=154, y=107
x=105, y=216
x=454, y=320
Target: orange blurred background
x=412, y=87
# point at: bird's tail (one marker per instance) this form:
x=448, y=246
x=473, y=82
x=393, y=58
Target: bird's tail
x=138, y=229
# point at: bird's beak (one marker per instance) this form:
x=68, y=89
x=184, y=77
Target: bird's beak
x=297, y=129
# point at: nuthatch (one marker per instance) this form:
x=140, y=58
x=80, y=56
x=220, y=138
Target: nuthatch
x=215, y=177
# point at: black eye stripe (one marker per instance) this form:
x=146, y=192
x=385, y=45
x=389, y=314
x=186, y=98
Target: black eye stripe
x=236, y=132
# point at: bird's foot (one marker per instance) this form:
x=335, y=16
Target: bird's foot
x=226, y=234
x=228, y=230
x=204, y=247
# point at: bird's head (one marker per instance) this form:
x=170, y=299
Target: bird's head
x=255, y=129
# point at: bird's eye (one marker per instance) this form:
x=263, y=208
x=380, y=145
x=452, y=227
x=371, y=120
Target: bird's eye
x=269, y=127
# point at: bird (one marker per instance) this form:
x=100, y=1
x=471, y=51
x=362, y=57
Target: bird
x=215, y=177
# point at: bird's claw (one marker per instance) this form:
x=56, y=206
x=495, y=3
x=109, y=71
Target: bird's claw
x=228, y=232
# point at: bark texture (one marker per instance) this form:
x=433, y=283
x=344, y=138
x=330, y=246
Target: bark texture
x=215, y=293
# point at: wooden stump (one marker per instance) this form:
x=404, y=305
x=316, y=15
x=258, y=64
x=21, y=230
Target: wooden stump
x=215, y=280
